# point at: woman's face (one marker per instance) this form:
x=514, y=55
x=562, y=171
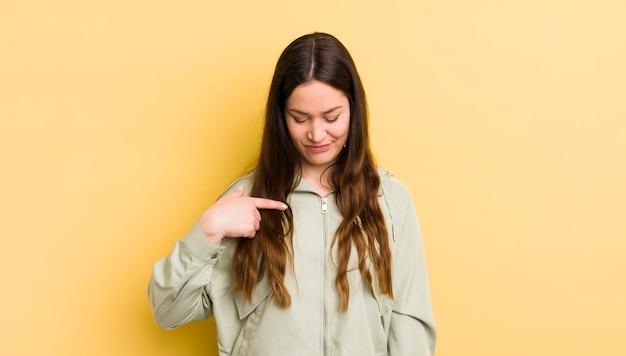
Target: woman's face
x=318, y=120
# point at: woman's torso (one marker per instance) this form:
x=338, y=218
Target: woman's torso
x=313, y=324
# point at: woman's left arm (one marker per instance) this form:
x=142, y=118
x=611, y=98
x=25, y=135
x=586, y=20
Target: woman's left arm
x=412, y=327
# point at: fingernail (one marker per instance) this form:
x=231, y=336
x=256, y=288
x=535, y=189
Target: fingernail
x=285, y=206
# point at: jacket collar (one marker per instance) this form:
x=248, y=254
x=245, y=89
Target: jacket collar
x=304, y=186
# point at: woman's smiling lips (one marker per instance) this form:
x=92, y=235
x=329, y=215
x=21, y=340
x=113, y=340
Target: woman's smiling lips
x=317, y=149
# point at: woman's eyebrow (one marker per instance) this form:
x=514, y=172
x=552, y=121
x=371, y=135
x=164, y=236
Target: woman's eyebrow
x=331, y=110
x=298, y=112
x=306, y=114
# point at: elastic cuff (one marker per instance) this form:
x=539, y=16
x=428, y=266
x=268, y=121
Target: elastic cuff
x=200, y=247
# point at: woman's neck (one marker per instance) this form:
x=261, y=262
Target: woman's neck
x=319, y=179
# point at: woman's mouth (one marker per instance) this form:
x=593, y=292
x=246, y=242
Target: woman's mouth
x=317, y=148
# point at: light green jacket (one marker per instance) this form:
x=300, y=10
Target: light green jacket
x=194, y=282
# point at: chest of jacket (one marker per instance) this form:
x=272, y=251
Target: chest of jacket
x=313, y=322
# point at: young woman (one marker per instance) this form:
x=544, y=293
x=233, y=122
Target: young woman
x=315, y=252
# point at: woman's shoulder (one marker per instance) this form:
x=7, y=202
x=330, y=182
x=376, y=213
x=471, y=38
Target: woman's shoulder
x=245, y=181
x=390, y=184
x=393, y=190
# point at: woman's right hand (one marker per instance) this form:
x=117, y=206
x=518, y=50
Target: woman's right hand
x=235, y=215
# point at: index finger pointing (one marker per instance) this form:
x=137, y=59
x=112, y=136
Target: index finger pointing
x=262, y=203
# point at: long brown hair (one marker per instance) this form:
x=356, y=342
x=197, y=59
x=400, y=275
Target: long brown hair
x=353, y=176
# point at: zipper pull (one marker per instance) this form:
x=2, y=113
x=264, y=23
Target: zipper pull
x=324, y=207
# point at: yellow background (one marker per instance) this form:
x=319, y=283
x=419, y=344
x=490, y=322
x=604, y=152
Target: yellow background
x=121, y=121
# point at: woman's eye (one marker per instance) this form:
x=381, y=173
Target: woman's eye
x=299, y=120
x=332, y=119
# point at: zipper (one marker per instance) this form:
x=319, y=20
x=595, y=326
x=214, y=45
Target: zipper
x=325, y=341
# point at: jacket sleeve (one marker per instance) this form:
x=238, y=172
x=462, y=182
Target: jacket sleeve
x=412, y=328
x=179, y=287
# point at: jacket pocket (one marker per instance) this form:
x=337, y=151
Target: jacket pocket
x=250, y=313
x=261, y=292
x=385, y=306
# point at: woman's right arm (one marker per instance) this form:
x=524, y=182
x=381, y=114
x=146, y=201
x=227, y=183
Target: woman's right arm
x=179, y=287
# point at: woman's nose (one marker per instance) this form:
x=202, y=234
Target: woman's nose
x=317, y=131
